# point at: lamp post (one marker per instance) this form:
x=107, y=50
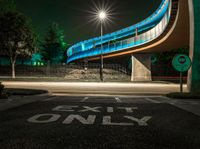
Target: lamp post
x=102, y=16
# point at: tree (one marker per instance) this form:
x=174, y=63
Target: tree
x=7, y=6
x=16, y=37
x=53, y=46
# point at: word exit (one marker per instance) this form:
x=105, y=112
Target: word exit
x=66, y=108
x=90, y=119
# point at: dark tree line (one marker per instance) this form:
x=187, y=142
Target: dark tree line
x=19, y=40
x=53, y=48
x=16, y=34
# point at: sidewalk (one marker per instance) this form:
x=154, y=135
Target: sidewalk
x=99, y=88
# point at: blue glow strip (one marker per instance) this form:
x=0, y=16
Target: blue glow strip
x=113, y=36
x=86, y=46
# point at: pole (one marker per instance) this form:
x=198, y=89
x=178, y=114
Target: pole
x=181, y=82
x=101, y=56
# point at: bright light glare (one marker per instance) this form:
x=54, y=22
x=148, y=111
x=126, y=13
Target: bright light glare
x=101, y=12
x=102, y=15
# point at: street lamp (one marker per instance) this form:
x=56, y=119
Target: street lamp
x=102, y=16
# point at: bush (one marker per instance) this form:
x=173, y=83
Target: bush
x=2, y=94
x=1, y=89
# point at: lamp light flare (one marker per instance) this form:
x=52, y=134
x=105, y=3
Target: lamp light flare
x=102, y=15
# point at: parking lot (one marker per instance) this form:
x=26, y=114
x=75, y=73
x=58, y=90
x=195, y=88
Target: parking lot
x=139, y=122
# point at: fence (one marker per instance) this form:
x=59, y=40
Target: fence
x=160, y=72
x=60, y=70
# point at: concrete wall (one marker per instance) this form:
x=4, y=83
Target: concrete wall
x=141, y=67
x=194, y=72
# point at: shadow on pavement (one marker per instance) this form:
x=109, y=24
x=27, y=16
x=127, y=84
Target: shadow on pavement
x=26, y=92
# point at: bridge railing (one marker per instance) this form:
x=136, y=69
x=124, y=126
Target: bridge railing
x=141, y=26
x=138, y=40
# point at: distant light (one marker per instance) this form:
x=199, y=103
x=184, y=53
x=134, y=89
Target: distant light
x=102, y=15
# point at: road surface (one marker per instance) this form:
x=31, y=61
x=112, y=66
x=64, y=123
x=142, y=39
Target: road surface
x=96, y=122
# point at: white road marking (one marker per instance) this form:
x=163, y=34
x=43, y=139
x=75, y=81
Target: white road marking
x=90, y=119
x=50, y=98
x=180, y=102
x=172, y=103
x=92, y=109
x=151, y=100
x=84, y=99
x=9, y=100
x=107, y=120
x=141, y=122
x=118, y=100
x=50, y=118
x=86, y=121
x=64, y=108
x=128, y=109
x=110, y=109
x=195, y=103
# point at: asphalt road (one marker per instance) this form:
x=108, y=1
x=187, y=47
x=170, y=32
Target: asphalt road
x=96, y=122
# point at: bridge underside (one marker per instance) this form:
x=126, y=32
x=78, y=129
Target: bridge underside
x=176, y=36
x=182, y=31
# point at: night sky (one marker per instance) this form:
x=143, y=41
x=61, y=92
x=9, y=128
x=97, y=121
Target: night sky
x=74, y=15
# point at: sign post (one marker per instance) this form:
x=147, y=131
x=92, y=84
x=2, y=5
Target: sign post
x=181, y=82
x=181, y=63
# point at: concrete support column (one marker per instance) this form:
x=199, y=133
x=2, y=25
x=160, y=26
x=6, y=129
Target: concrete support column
x=141, y=67
x=194, y=72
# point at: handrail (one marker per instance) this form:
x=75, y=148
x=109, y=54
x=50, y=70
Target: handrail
x=143, y=38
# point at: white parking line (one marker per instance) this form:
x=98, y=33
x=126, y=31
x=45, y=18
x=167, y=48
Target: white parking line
x=195, y=103
x=10, y=100
x=50, y=98
x=118, y=100
x=151, y=100
x=84, y=99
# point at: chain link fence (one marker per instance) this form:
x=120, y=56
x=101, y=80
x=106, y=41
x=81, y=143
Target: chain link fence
x=90, y=71
x=61, y=70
